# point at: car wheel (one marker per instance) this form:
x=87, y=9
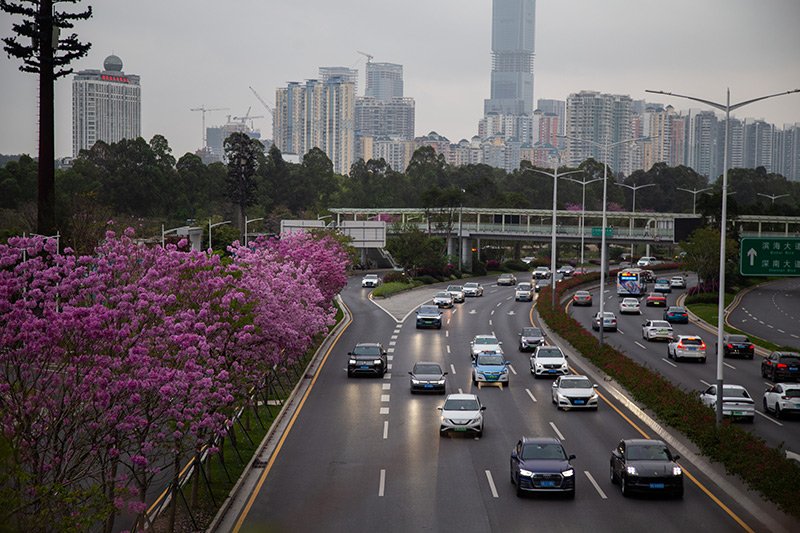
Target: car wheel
x=480, y=433
x=511, y=472
x=613, y=475
x=766, y=408
x=625, y=490
x=778, y=414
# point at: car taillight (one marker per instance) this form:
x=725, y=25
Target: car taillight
x=750, y=347
x=730, y=346
x=703, y=345
x=781, y=365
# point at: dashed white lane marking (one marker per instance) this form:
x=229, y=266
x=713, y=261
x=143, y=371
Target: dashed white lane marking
x=531, y=395
x=706, y=383
x=560, y=436
x=452, y=369
x=446, y=333
x=384, y=410
x=389, y=357
x=499, y=304
x=389, y=366
x=394, y=337
x=640, y=345
x=448, y=321
x=448, y=348
x=386, y=386
x=669, y=362
x=596, y=486
x=512, y=370
x=729, y=366
x=490, y=323
x=385, y=429
x=385, y=397
x=389, y=350
x=492, y=313
x=491, y=484
x=392, y=343
x=387, y=375
x=382, y=484
x=460, y=390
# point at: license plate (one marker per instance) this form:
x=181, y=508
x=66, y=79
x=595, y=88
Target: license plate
x=691, y=348
x=551, y=371
x=460, y=429
x=548, y=483
x=793, y=368
x=738, y=413
x=364, y=367
x=656, y=485
x=579, y=402
x=428, y=386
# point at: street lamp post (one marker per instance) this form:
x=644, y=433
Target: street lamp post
x=605, y=146
x=555, y=175
x=772, y=196
x=461, y=229
x=727, y=108
x=634, y=188
x=583, y=183
x=210, y=225
x=246, y=222
x=165, y=231
x=694, y=193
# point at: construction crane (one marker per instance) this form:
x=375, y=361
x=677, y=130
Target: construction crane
x=369, y=56
x=205, y=110
x=271, y=111
x=247, y=117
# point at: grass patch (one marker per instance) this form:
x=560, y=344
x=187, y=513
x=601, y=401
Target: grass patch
x=388, y=289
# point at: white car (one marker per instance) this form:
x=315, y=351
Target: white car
x=549, y=361
x=541, y=272
x=461, y=413
x=630, y=305
x=370, y=280
x=457, y=292
x=687, y=347
x=574, y=392
x=736, y=401
x=473, y=289
x=645, y=261
x=443, y=299
x=677, y=282
x=782, y=399
x=657, y=330
x=523, y=292
x=609, y=321
x=484, y=343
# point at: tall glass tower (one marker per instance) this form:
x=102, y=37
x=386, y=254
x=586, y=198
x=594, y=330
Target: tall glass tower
x=513, y=24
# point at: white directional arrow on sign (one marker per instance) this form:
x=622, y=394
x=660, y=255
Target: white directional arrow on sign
x=752, y=254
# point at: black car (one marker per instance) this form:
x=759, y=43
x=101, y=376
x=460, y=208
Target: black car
x=540, y=464
x=530, y=338
x=737, y=345
x=427, y=377
x=781, y=366
x=367, y=358
x=644, y=465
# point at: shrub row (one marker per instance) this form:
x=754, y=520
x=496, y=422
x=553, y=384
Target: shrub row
x=764, y=469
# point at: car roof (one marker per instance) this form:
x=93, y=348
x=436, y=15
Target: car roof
x=540, y=440
x=428, y=363
x=675, y=308
x=471, y=283
x=660, y=322
x=461, y=396
x=456, y=286
x=642, y=442
x=682, y=337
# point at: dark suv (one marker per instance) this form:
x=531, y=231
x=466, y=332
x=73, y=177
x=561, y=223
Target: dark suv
x=367, y=358
x=781, y=366
x=737, y=345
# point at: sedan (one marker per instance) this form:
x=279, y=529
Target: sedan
x=687, y=347
x=782, y=399
x=656, y=300
x=540, y=283
x=473, y=289
x=645, y=465
x=540, y=464
x=580, y=271
x=737, y=345
x=630, y=305
x=490, y=367
x=574, y=392
x=609, y=321
x=676, y=314
x=443, y=299
x=427, y=377
x=662, y=285
x=367, y=358
x=736, y=401
x=485, y=342
x=781, y=366
x=461, y=413
x=530, y=338
x=541, y=272
x=677, y=282
x=582, y=298
x=549, y=361
x=457, y=292
x=507, y=279
x=566, y=271
x=370, y=280
x=657, y=330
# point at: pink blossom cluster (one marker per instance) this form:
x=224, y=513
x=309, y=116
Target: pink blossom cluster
x=111, y=363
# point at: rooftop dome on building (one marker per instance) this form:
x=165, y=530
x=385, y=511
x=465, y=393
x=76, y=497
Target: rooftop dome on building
x=113, y=63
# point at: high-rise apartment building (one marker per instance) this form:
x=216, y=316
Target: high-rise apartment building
x=317, y=114
x=513, y=25
x=106, y=106
x=346, y=74
x=384, y=81
x=602, y=119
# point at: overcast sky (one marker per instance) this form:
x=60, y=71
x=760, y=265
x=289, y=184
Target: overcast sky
x=207, y=53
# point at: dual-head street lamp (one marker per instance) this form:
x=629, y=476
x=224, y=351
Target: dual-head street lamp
x=727, y=108
x=246, y=222
x=694, y=193
x=773, y=197
x=583, y=184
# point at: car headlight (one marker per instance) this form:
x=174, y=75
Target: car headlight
x=526, y=473
x=632, y=471
x=377, y=361
x=414, y=381
x=677, y=471
x=568, y=473
x=352, y=361
x=440, y=382
x=539, y=365
x=593, y=397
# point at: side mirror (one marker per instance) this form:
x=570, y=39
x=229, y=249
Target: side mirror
x=439, y=407
x=444, y=373
x=501, y=342
x=483, y=407
x=349, y=353
x=676, y=457
x=409, y=372
x=571, y=456
x=514, y=455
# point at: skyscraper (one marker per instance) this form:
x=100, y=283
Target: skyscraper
x=384, y=81
x=106, y=106
x=513, y=25
x=601, y=118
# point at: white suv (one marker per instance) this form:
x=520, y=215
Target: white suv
x=484, y=343
x=549, y=361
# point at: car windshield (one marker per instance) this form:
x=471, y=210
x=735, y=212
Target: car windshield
x=734, y=392
x=691, y=342
x=531, y=332
x=543, y=451
x=524, y=287
x=461, y=405
x=485, y=340
x=490, y=359
x=576, y=384
x=470, y=285
x=630, y=301
x=367, y=350
x=453, y=288
x=660, y=324
x=738, y=339
x=429, y=309
x=648, y=452
x=656, y=297
x=443, y=295
x=371, y=276
x=790, y=359
x=549, y=352
x=427, y=369
x=581, y=294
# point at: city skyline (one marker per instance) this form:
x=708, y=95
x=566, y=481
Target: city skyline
x=617, y=46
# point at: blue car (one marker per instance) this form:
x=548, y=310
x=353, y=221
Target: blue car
x=676, y=314
x=490, y=367
x=429, y=316
x=540, y=464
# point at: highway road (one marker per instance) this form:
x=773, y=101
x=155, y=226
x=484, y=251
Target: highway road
x=365, y=455
x=771, y=312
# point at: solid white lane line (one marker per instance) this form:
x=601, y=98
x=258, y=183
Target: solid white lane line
x=491, y=484
x=386, y=386
x=512, y=370
x=560, y=436
x=531, y=395
x=670, y=362
x=596, y=486
x=452, y=369
x=729, y=366
x=382, y=485
x=385, y=429
x=769, y=418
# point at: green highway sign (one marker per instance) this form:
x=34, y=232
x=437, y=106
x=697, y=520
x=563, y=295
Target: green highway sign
x=770, y=256
x=596, y=232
